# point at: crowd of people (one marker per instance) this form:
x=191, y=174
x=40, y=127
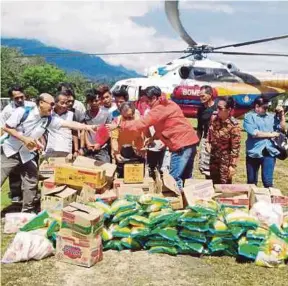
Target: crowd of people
x=109, y=128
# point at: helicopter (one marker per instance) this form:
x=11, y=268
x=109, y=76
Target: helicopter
x=182, y=78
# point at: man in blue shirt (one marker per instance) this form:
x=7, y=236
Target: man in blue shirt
x=261, y=127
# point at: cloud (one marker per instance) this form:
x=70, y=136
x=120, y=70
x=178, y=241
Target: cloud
x=206, y=5
x=90, y=27
x=103, y=26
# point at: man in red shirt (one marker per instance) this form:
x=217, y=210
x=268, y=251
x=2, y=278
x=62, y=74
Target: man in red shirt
x=172, y=128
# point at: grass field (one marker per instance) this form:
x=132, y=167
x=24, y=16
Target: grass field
x=141, y=268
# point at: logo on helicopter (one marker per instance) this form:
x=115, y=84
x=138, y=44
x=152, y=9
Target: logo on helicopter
x=189, y=91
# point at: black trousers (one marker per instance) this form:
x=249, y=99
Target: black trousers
x=155, y=162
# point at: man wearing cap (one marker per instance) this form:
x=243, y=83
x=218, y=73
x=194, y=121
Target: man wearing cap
x=172, y=128
x=261, y=127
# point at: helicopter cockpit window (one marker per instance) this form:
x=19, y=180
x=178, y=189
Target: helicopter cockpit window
x=133, y=93
x=211, y=74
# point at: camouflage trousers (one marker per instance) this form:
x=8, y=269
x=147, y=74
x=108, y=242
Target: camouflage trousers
x=219, y=167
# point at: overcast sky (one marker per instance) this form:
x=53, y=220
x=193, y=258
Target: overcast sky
x=118, y=26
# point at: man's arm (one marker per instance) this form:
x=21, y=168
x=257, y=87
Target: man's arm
x=251, y=128
x=77, y=126
x=152, y=118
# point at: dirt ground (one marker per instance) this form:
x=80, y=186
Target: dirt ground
x=141, y=268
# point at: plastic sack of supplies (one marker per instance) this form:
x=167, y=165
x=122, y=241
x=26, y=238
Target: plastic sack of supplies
x=27, y=246
x=273, y=252
x=14, y=221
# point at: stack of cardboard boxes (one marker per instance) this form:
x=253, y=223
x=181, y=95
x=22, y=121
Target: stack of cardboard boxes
x=79, y=241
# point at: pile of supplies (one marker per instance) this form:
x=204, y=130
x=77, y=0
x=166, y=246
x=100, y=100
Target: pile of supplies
x=86, y=210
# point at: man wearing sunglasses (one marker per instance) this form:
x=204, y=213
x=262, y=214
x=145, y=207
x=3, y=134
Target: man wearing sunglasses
x=18, y=99
x=261, y=127
x=19, y=150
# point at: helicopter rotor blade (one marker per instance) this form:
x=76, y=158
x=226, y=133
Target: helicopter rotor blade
x=249, y=54
x=172, y=13
x=102, y=54
x=252, y=42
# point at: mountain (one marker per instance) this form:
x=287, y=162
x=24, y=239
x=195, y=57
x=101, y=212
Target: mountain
x=91, y=67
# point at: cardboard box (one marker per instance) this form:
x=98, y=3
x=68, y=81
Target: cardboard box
x=110, y=169
x=47, y=167
x=234, y=199
x=278, y=198
x=197, y=189
x=148, y=185
x=169, y=184
x=87, y=193
x=83, y=219
x=108, y=196
x=48, y=185
x=78, y=251
x=123, y=191
x=233, y=188
x=259, y=195
x=55, y=200
x=78, y=176
x=175, y=200
x=133, y=173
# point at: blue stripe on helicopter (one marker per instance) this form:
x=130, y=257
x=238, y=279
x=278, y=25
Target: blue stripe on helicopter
x=241, y=100
x=162, y=71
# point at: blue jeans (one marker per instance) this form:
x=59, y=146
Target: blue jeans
x=267, y=164
x=181, y=164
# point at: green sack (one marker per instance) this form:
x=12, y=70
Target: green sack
x=192, y=235
x=167, y=233
x=123, y=214
x=121, y=232
x=131, y=243
x=163, y=249
x=113, y=244
x=40, y=221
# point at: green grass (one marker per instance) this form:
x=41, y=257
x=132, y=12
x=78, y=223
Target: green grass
x=141, y=269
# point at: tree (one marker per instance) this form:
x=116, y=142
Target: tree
x=80, y=84
x=13, y=63
x=43, y=78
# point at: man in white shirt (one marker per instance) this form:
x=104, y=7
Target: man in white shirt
x=19, y=149
x=106, y=99
x=59, y=142
x=17, y=97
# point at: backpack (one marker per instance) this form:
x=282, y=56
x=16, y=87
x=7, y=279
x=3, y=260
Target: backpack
x=27, y=110
x=281, y=144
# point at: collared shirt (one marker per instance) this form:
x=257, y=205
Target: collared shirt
x=102, y=117
x=79, y=110
x=253, y=123
x=224, y=136
x=113, y=110
x=8, y=110
x=60, y=139
x=34, y=126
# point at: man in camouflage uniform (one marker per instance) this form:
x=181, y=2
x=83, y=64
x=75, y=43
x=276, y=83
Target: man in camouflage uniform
x=224, y=137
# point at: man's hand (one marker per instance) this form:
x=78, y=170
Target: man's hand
x=232, y=171
x=111, y=126
x=90, y=128
x=275, y=134
x=29, y=142
x=96, y=147
x=119, y=158
x=148, y=141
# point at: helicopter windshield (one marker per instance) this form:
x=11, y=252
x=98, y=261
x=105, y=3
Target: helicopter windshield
x=211, y=74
